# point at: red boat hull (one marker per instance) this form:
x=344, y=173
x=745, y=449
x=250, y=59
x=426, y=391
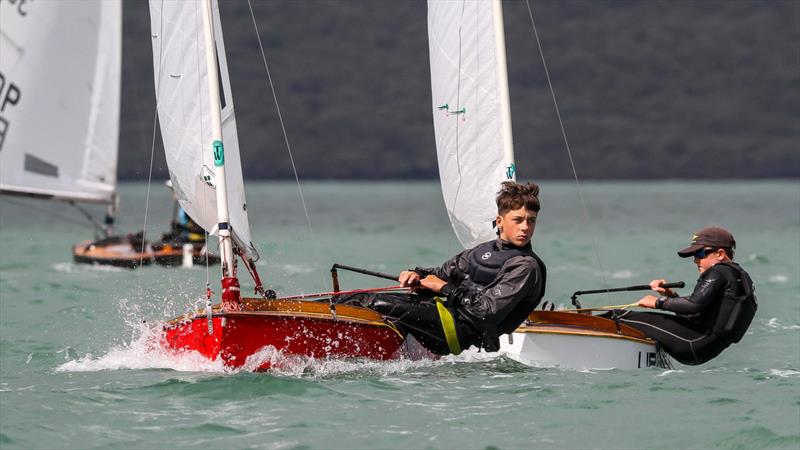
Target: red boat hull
x=294, y=328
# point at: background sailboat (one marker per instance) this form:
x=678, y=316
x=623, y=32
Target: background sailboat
x=474, y=143
x=59, y=114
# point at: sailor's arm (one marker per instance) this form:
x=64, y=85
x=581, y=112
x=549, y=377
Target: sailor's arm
x=708, y=289
x=447, y=272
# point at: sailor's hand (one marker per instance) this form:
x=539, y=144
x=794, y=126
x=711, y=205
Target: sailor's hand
x=648, y=301
x=666, y=292
x=433, y=283
x=408, y=278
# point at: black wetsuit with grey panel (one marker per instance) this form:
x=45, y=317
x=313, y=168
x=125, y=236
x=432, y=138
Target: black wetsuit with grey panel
x=715, y=315
x=490, y=290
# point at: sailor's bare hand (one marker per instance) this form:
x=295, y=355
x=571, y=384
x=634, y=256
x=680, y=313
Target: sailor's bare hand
x=433, y=283
x=656, y=286
x=648, y=301
x=408, y=278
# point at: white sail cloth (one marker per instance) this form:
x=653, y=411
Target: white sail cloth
x=184, y=115
x=60, y=65
x=468, y=83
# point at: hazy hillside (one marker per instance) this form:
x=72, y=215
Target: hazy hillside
x=645, y=88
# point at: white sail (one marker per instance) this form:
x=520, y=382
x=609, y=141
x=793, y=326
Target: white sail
x=183, y=113
x=470, y=112
x=60, y=67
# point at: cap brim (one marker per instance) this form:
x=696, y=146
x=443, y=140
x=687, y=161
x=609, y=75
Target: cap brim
x=689, y=251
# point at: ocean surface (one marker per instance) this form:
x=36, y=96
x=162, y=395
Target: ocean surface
x=75, y=372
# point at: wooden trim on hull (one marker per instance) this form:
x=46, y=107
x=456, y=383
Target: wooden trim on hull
x=571, y=323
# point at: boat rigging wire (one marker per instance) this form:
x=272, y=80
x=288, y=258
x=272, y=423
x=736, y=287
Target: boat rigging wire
x=60, y=217
x=566, y=143
x=283, y=130
x=152, y=141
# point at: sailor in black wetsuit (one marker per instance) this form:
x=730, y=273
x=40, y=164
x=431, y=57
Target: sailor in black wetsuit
x=480, y=293
x=715, y=315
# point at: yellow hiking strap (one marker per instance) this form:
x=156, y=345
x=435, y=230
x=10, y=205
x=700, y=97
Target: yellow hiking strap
x=448, y=326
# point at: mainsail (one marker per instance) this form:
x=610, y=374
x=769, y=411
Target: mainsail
x=180, y=72
x=59, y=98
x=471, y=114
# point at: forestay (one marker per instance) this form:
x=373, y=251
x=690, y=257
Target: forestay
x=184, y=115
x=470, y=112
x=59, y=98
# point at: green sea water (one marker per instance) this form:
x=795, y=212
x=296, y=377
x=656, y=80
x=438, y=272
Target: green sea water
x=75, y=372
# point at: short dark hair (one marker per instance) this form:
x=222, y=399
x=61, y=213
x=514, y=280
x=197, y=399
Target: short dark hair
x=513, y=195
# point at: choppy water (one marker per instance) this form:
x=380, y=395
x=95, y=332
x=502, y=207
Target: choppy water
x=74, y=372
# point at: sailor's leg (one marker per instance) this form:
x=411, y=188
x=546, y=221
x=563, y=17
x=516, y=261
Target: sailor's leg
x=414, y=314
x=676, y=335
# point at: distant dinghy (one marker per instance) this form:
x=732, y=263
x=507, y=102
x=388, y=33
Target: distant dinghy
x=59, y=113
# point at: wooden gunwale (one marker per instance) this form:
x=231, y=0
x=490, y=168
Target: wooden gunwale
x=571, y=323
x=295, y=309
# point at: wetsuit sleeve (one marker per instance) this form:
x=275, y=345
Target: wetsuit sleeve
x=709, y=288
x=450, y=271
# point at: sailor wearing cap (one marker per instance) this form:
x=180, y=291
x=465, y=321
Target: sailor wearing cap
x=715, y=315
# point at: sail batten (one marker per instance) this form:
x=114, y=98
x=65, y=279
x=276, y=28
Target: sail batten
x=60, y=64
x=181, y=78
x=470, y=112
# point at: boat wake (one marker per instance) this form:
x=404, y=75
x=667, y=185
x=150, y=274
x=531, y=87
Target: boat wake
x=70, y=267
x=776, y=325
x=144, y=352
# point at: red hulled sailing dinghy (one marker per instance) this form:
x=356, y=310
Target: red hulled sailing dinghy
x=195, y=109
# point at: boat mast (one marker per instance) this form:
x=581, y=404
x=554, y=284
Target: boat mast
x=223, y=216
x=502, y=88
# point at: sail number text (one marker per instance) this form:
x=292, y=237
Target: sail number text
x=9, y=96
x=22, y=5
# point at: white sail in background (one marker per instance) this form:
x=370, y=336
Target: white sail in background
x=60, y=65
x=183, y=113
x=470, y=112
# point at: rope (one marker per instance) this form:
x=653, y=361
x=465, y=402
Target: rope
x=602, y=308
x=340, y=293
x=51, y=215
x=285, y=135
x=153, y=139
x=569, y=152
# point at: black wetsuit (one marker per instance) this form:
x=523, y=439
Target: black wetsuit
x=715, y=315
x=484, y=301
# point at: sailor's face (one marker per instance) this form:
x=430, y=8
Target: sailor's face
x=704, y=259
x=517, y=226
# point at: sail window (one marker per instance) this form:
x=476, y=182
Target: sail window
x=39, y=166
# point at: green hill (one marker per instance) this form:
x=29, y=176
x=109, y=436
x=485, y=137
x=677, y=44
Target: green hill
x=645, y=89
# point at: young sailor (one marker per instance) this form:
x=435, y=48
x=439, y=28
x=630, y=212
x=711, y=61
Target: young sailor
x=715, y=315
x=480, y=293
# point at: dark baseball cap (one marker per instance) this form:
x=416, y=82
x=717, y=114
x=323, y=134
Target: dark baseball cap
x=716, y=237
